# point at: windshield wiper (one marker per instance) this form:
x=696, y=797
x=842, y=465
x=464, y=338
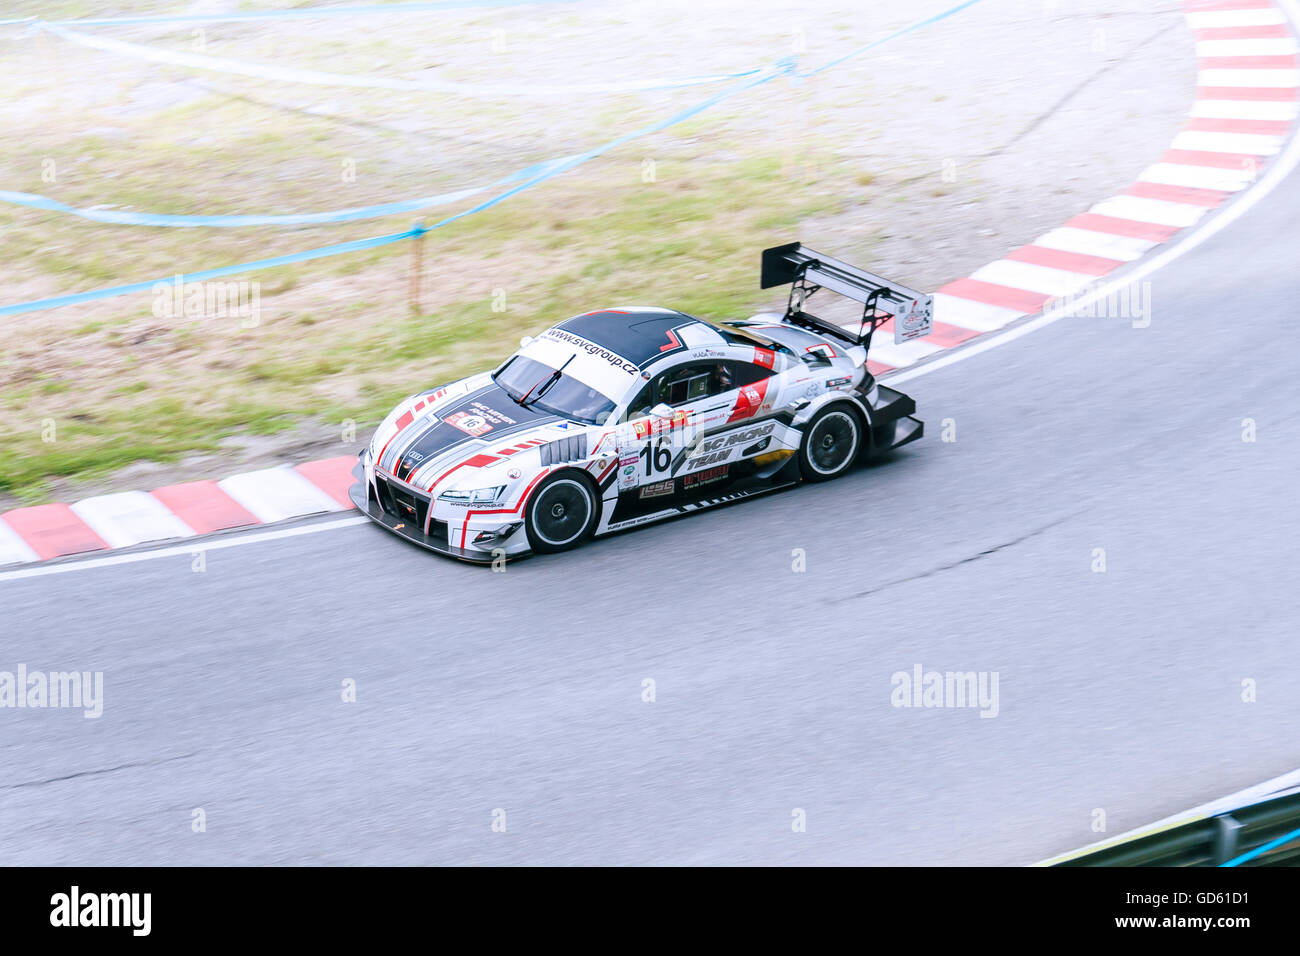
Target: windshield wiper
x=549, y=381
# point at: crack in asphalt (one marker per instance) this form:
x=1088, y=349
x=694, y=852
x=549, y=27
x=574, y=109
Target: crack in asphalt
x=955, y=564
x=97, y=773
x=1078, y=88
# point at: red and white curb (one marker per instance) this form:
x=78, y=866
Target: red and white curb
x=186, y=510
x=1246, y=103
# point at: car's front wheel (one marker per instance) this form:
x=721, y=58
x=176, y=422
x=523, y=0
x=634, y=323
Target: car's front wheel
x=561, y=514
x=830, y=443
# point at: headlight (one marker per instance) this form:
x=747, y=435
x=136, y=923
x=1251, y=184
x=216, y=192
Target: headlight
x=477, y=496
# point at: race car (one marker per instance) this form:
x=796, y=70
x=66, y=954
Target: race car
x=624, y=416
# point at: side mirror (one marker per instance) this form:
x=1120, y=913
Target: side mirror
x=523, y=343
x=662, y=410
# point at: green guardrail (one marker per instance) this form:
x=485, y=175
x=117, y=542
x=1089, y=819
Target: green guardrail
x=1264, y=832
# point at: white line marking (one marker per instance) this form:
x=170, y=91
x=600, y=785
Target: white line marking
x=1151, y=210
x=1089, y=242
x=1278, y=786
x=1272, y=178
x=200, y=544
x=275, y=494
x=908, y=353
x=1198, y=177
x=130, y=517
x=1250, y=78
x=1211, y=142
x=13, y=549
x=1210, y=19
x=969, y=314
x=1245, y=109
x=1279, y=46
x=1031, y=278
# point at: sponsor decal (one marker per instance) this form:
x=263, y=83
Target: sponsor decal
x=764, y=357
x=750, y=401
x=627, y=470
x=716, y=451
x=591, y=348
x=706, y=477
x=469, y=423
x=564, y=426
x=659, y=489
x=491, y=414
x=813, y=390
x=914, y=320
x=837, y=382
x=514, y=473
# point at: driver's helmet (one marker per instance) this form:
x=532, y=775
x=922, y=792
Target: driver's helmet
x=722, y=377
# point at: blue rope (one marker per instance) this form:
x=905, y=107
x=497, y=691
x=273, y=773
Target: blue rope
x=1259, y=850
x=540, y=174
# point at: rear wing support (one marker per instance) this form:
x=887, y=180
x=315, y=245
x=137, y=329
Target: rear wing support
x=808, y=272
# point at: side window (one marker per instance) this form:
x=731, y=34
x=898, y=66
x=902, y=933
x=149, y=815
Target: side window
x=747, y=373
x=693, y=381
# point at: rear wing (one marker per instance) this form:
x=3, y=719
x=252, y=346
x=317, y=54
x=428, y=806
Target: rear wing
x=808, y=271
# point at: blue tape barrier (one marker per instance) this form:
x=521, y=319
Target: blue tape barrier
x=288, y=74
x=298, y=13
x=784, y=67
x=127, y=218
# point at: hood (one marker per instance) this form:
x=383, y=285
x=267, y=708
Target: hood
x=483, y=416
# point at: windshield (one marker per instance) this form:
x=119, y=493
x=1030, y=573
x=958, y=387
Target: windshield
x=537, y=385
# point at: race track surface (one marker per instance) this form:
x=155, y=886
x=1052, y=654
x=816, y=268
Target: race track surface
x=522, y=691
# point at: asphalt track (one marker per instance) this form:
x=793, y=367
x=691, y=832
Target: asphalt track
x=522, y=691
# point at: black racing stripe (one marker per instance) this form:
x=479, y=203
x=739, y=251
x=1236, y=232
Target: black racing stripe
x=444, y=437
x=637, y=336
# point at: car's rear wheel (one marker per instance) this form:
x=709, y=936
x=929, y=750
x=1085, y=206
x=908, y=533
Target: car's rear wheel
x=831, y=442
x=561, y=514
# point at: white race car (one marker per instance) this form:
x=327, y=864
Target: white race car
x=620, y=417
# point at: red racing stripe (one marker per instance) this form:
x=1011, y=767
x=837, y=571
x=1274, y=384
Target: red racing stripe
x=1282, y=61
x=943, y=335
x=1122, y=227
x=1060, y=259
x=991, y=293
x=1197, y=157
x=1201, y=6
x=53, y=531
x=1263, y=31
x=1279, y=93
x=1260, y=127
x=517, y=509
x=332, y=476
x=204, y=506
x=1190, y=195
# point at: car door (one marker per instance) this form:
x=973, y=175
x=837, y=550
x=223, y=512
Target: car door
x=702, y=399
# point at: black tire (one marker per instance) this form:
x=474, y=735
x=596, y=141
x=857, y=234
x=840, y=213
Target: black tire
x=561, y=513
x=832, y=441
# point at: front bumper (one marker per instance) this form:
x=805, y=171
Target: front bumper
x=404, y=514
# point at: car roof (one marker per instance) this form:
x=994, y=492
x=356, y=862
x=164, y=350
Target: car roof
x=643, y=335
